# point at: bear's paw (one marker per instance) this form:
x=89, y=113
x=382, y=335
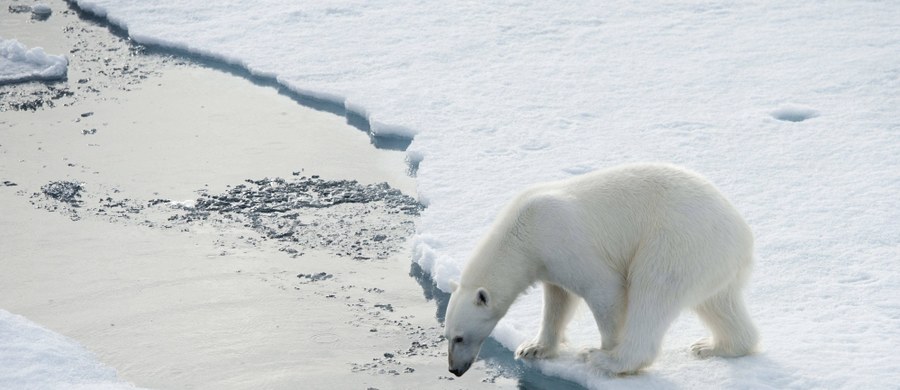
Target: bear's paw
x=604, y=363
x=536, y=350
x=704, y=348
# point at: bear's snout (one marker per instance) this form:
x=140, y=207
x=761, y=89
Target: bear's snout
x=458, y=369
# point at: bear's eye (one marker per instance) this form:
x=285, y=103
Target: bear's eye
x=458, y=339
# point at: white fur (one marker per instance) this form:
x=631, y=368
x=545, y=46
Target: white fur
x=639, y=243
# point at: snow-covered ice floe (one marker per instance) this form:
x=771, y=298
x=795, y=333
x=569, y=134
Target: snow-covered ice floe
x=19, y=63
x=503, y=95
x=32, y=357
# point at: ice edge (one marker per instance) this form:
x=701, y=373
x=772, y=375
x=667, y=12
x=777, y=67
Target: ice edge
x=381, y=135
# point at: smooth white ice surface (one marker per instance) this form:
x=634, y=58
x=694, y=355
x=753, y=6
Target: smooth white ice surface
x=502, y=95
x=32, y=357
x=19, y=63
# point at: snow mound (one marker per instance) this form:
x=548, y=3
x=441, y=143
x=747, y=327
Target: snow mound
x=32, y=357
x=20, y=64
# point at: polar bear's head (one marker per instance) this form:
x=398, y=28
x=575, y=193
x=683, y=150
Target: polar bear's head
x=471, y=316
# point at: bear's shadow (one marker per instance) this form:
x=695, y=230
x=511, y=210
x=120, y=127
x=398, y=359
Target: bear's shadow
x=760, y=371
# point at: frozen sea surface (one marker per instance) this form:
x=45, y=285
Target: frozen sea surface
x=790, y=107
x=32, y=357
x=18, y=63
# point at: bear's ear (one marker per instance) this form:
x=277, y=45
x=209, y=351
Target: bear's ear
x=482, y=297
x=453, y=286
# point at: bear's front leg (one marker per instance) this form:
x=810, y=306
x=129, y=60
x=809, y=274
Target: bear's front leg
x=559, y=306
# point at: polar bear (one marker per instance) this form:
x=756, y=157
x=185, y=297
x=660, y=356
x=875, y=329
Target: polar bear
x=639, y=243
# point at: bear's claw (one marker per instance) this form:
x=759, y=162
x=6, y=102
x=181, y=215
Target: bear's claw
x=535, y=350
x=703, y=348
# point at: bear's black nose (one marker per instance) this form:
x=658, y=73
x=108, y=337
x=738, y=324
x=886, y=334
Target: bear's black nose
x=457, y=372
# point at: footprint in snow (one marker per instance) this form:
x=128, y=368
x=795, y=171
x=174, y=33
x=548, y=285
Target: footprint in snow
x=579, y=169
x=858, y=278
x=534, y=145
x=794, y=113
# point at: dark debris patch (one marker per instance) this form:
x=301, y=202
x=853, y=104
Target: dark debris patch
x=351, y=220
x=385, y=306
x=394, y=363
x=343, y=217
x=19, y=8
x=59, y=196
x=315, y=277
x=33, y=96
x=154, y=202
x=119, y=208
x=267, y=196
x=68, y=192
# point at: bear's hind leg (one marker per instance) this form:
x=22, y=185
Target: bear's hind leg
x=559, y=306
x=733, y=333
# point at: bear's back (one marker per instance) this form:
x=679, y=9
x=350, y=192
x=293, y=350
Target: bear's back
x=649, y=193
x=616, y=210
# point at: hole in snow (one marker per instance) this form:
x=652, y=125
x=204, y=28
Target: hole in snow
x=792, y=113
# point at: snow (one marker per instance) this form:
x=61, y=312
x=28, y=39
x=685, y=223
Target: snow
x=503, y=95
x=32, y=357
x=19, y=63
